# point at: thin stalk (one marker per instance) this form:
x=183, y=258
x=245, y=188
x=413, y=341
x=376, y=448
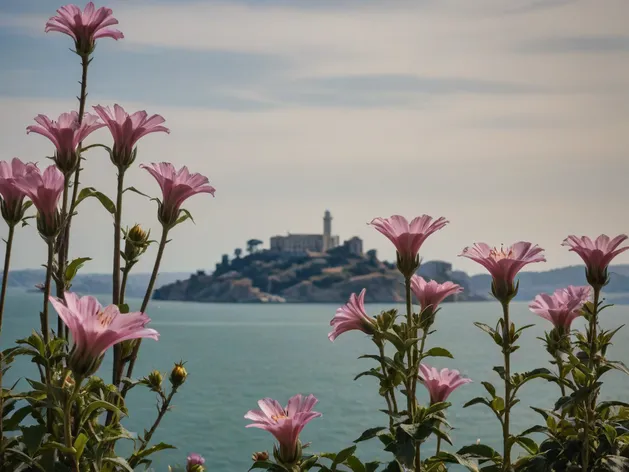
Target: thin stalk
x=44, y=325
x=65, y=246
x=160, y=415
x=123, y=284
x=115, y=296
x=5, y=275
x=438, y=445
x=147, y=298
x=388, y=393
x=410, y=390
x=418, y=458
x=67, y=420
x=506, y=349
x=3, y=294
x=62, y=256
x=588, y=404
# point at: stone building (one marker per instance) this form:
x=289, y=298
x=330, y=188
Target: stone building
x=354, y=245
x=299, y=243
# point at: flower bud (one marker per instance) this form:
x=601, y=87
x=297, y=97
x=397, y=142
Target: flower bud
x=386, y=319
x=49, y=226
x=154, y=381
x=136, y=242
x=260, y=456
x=195, y=463
x=178, y=375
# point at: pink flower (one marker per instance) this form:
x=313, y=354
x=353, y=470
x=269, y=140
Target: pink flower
x=195, y=463
x=562, y=307
x=504, y=264
x=84, y=27
x=351, y=316
x=66, y=134
x=177, y=186
x=12, y=195
x=284, y=423
x=431, y=294
x=440, y=384
x=597, y=255
x=127, y=130
x=94, y=329
x=44, y=191
x=408, y=237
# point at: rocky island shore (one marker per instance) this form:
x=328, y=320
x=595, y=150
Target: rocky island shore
x=273, y=277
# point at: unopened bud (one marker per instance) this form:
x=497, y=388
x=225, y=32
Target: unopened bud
x=136, y=242
x=178, y=375
x=154, y=381
x=260, y=456
x=195, y=463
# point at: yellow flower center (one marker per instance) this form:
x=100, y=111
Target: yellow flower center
x=500, y=254
x=276, y=418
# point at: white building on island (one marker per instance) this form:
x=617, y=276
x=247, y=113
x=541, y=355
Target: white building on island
x=298, y=243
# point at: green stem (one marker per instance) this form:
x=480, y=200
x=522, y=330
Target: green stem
x=388, y=393
x=147, y=437
x=418, y=459
x=410, y=333
x=67, y=419
x=123, y=284
x=5, y=276
x=45, y=328
x=506, y=349
x=62, y=256
x=85, y=61
x=591, y=399
x=115, y=296
x=3, y=294
x=438, y=445
x=147, y=298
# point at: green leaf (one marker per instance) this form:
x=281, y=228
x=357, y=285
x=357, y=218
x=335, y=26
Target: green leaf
x=135, y=190
x=394, y=466
x=490, y=388
x=354, y=464
x=498, y=404
x=151, y=450
x=457, y=459
x=88, y=192
x=79, y=445
x=534, y=429
x=119, y=461
x=184, y=215
x=74, y=266
x=616, y=463
x=100, y=404
x=32, y=436
x=476, y=401
x=528, y=444
x=370, y=434
x=69, y=451
x=343, y=455
x=438, y=352
x=479, y=450
x=13, y=423
x=372, y=466
x=372, y=372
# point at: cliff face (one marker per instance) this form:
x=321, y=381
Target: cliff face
x=267, y=277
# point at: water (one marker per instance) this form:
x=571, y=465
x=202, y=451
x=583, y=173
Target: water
x=237, y=354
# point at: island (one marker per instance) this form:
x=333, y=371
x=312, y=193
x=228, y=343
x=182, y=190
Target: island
x=306, y=268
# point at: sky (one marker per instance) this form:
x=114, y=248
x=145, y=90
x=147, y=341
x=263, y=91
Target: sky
x=511, y=119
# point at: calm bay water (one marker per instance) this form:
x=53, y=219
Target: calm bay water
x=237, y=354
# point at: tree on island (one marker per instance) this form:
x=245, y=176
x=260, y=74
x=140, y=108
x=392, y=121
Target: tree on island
x=252, y=245
x=237, y=253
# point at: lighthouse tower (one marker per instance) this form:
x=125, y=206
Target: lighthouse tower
x=327, y=231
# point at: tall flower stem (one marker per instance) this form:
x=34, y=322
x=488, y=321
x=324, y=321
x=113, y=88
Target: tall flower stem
x=115, y=296
x=65, y=238
x=591, y=399
x=123, y=284
x=3, y=293
x=5, y=275
x=62, y=254
x=506, y=349
x=67, y=420
x=411, y=333
x=147, y=298
x=162, y=411
x=390, y=392
x=44, y=323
